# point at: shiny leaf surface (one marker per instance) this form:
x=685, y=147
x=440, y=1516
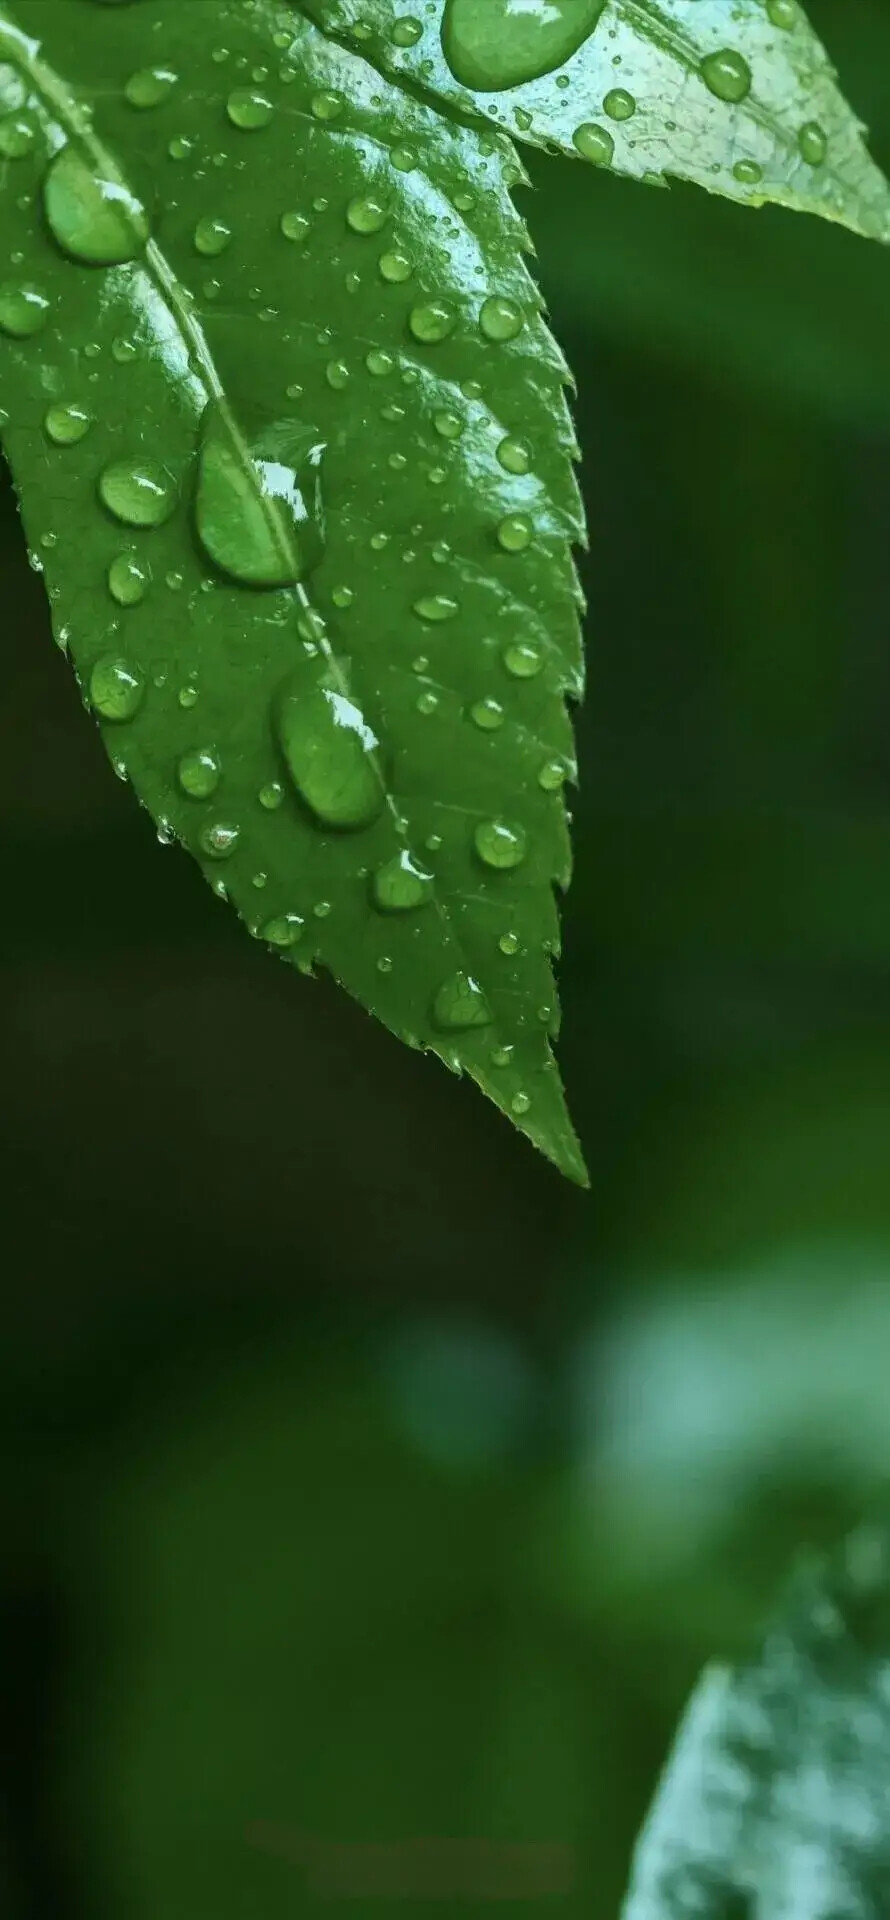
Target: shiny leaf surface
x=292, y=450
x=742, y=100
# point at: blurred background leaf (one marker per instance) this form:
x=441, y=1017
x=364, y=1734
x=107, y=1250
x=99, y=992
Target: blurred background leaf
x=359, y=1480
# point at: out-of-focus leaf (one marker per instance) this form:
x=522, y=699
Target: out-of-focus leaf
x=333, y=301
x=776, y=1799
x=741, y=100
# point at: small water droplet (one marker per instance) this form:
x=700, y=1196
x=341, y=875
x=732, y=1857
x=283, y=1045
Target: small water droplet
x=188, y=697
x=18, y=134
x=219, y=839
x=406, y=31
x=329, y=750
x=727, y=75
x=116, y=688
x=249, y=109
x=295, y=225
x=127, y=580
x=436, y=607
x=212, y=235
x=367, y=213
x=123, y=351
x=24, y=310
x=327, y=105
x=509, y=943
x=337, y=375
x=499, y=44
x=499, y=844
x=523, y=659
x=500, y=319
x=149, y=86
x=594, y=143
x=813, y=143
x=65, y=426
x=284, y=930
x=271, y=795
x=619, y=104
x=321, y=909
x=747, y=172
x=488, y=714
x=520, y=1103
x=432, y=320
x=448, y=424
x=401, y=885
x=553, y=775
x=515, y=533
x=427, y=702
x=137, y=492
x=198, y=773
x=395, y=266
x=459, y=1004
x=93, y=216
x=514, y=455
x=781, y=13
x=404, y=159
x=501, y=1056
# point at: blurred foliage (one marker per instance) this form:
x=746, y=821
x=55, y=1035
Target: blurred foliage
x=359, y=1480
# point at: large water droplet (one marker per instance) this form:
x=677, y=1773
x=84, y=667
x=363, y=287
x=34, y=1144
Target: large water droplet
x=460, y=1003
x=499, y=844
x=212, y=236
x=432, y=320
x=248, y=109
x=94, y=217
x=500, y=319
x=116, y=688
x=401, y=884
x=727, y=74
x=329, y=751
x=594, y=143
x=259, y=511
x=149, y=86
x=500, y=43
x=137, y=492
x=198, y=773
x=367, y=213
x=66, y=425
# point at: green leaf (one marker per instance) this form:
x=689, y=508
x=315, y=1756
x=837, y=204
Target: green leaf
x=298, y=469
x=775, y=1799
x=741, y=100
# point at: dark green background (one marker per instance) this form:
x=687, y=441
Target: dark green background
x=311, y=1517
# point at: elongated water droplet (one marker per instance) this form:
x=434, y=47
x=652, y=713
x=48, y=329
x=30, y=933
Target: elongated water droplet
x=497, y=43
x=499, y=844
x=812, y=143
x=435, y=607
x=329, y=751
x=460, y=1003
x=258, y=510
x=401, y=884
x=94, y=217
x=137, y=492
x=116, y=688
x=198, y=773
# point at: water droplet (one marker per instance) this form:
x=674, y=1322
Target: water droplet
x=401, y=885
x=460, y=1003
x=594, y=143
x=327, y=105
x=500, y=319
x=727, y=74
x=432, y=320
x=395, y=266
x=515, y=533
x=781, y=13
x=813, y=143
x=501, y=45
x=198, y=773
x=406, y=31
x=336, y=374
x=127, y=580
x=149, y=86
x=514, y=455
x=321, y=909
x=619, y=104
x=17, y=136
x=123, y=351
x=499, y=844
x=747, y=172
x=523, y=659
x=66, y=425
x=116, y=688
x=212, y=235
x=435, y=607
x=488, y=714
x=137, y=492
x=188, y=697
x=258, y=510
x=249, y=109
x=94, y=217
x=284, y=930
x=509, y=943
x=553, y=775
x=520, y=1103
x=427, y=702
x=501, y=1056
x=448, y=424
x=219, y=839
x=329, y=750
x=271, y=795
x=23, y=310
x=367, y=213
x=295, y=225
x=404, y=159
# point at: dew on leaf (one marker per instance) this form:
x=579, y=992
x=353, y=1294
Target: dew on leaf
x=781, y=13
x=432, y=320
x=515, y=533
x=66, y=425
x=406, y=31
x=219, y=839
x=327, y=105
x=271, y=795
x=198, y=773
x=124, y=351
x=500, y=319
x=18, y=134
x=284, y=930
x=747, y=172
x=24, y=309
x=435, y=607
x=523, y=659
x=552, y=775
x=727, y=75
x=619, y=104
x=258, y=509
x=401, y=885
x=459, y=1004
x=812, y=143
x=248, y=109
x=427, y=702
x=501, y=1056
x=149, y=86
x=336, y=374
x=594, y=143
x=116, y=688
x=509, y=943
x=295, y=225
x=212, y=235
x=499, y=45
x=404, y=159
x=329, y=751
x=93, y=216
x=520, y=1103
x=367, y=213
x=127, y=580
x=137, y=492
x=379, y=362
x=487, y=714
x=513, y=455
x=499, y=844
x=448, y=425
x=395, y=266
